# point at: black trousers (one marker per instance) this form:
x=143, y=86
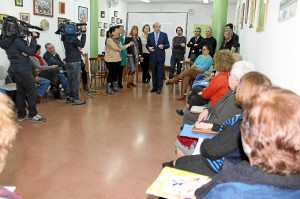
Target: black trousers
x=83, y=73
x=112, y=71
x=25, y=88
x=120, y=75
x=145, y=67
x=196, y=100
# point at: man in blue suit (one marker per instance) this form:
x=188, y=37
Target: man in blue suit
x=157, y=42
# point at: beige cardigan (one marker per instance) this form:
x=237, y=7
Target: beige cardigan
x=113, y=50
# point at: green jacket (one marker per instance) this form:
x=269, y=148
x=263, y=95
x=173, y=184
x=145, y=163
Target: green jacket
x=123, y=52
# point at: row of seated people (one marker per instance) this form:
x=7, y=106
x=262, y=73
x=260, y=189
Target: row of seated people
x=49, y=71
x=254, y=144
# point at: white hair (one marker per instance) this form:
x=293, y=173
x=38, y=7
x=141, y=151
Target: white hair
x=240, y=68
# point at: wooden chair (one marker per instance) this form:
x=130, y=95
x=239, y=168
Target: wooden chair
x=102, y=69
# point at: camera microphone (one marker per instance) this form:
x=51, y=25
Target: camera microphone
x=81, y=24
x=35, y=27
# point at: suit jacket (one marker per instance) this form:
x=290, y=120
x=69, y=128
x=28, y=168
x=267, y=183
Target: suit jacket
x=53, y=60
x=196, y=49
x=159, y=55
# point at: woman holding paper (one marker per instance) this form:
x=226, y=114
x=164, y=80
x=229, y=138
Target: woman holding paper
x=227, y=142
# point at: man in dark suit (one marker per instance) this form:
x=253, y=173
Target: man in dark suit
x=157, y=42
x=195, y=44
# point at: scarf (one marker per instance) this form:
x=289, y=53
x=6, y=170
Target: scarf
x=40, y=59
x=116, y=39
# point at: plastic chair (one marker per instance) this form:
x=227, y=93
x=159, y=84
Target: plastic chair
x=3, y=75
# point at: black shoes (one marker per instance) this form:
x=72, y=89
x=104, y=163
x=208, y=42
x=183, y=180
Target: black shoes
x=179, y=112
x=153, y=90
x=158, y=92
x=168, y=164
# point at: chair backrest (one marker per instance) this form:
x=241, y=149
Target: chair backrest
x=3, y=73
x=86, y=61
x=94, y=65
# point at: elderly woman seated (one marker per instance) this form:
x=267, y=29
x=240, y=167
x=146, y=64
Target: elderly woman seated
x=271, y=139
x=202, y=63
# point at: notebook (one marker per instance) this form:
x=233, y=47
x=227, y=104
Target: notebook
x=169, y=182
x=197, y=109
x=187, y=131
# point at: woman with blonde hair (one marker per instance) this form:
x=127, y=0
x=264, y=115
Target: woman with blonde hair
x=135, y=53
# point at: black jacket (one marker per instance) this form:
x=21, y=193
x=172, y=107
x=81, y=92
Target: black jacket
x=130, y=49
x=53, y=60
x=194, y=48
x=71, y=44
x=228, y=45
x=212, y=42
x=19, y=62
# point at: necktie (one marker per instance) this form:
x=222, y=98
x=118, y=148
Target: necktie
x=156, y=38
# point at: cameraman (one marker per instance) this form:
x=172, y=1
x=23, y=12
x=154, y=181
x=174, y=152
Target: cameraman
x=18, y=53
x=73, y=59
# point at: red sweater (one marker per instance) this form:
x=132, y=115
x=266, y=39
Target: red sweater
x=217, y=88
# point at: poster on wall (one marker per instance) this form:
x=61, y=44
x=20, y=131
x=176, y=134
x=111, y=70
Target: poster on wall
x=19, y=3
x=287, y=9
x=246, y=11
x=25, y=17
x=82, y=13
x=44, y=8
x=252, y=13
x=242, y=15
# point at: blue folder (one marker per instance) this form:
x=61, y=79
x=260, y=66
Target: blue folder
x=187, y=132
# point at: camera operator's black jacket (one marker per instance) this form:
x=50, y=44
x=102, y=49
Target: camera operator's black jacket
x=19, y=62
x=71, y=44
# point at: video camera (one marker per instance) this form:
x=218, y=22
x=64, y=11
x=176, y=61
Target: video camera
x=12, y=27
x=68, y=28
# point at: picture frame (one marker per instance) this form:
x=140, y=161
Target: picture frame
x=105, y=25
x=242, y=15
x=19, y=3
x=43, y=8
x=113, y=20
x=115, y=13
x=102, y=33
x=99, y=24
x=287, y=9
x=102, y=14
x=1, y=20
x=246, y=11
x=121, y=21
x=262, y=15
x=252, y=13
x=60, y=20
x=62, y=8
x=118, y=21
x=83, y=12
x=25, y=17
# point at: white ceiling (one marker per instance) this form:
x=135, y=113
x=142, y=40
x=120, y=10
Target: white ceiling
x=233, y=2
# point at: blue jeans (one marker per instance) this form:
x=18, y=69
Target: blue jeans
x=132, y=63
x=43, y=85
x=176, y=60
x=73, y=70
x=63, y=81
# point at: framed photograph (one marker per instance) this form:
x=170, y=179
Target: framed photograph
x=62, y=8
x=25, y=17
x=60, y=20
x=99, y=24
x=118, y=21
x=1, y=20
x=102, y=32
x=102, y=14
x=287, y=9
x=113, y=20
x=19, y=3
x=43, y=8
x=82, y=13
x=105, y=25
x=121, y=21
x=115, y=13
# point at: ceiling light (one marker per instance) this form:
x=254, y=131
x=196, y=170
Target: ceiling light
x=205, y=1
x=146, y=1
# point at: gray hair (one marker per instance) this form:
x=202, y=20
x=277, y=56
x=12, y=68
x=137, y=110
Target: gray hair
x=230, y=32
x=46, y=45
x=156, y=23
x=240, y=68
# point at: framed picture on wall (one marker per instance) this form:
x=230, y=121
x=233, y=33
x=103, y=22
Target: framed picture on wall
x=105, y=25
x=25, y=17
x=102, y=32
x=82, y=13
x=60, y=20
x=19, y=3
x=115, y=13
x=246, y=11
x=242, y=15
x=62, y=8
x=102, y=14
x=43, y=8
x=252, y=13
x=121, y=21
x=99, y=24
x=113, y=20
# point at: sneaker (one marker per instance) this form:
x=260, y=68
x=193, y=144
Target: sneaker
x=68, y=100
x=20, y=119
x=37, y=118
x=179, y=112
x=78, y=102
